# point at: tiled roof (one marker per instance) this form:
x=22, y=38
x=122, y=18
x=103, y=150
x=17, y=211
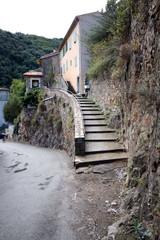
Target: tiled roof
x=33, y=74
x=4, y=89
x=50, y=55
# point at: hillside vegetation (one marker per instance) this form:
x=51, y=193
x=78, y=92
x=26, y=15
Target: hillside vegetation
x=104, y=40
x=19, y=53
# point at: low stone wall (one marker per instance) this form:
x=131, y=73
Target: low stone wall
x=78, y=119
x=55, y=124
x=106, y=93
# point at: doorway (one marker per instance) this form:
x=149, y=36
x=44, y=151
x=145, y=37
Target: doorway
x=78, y=85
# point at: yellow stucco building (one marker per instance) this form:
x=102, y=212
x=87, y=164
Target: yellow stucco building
x=74, y=56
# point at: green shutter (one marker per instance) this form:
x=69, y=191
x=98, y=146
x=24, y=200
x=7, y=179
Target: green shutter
x=69, y=44
x=75, y=60
x=74, y=37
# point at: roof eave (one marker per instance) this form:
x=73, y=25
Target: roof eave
x=74, y=23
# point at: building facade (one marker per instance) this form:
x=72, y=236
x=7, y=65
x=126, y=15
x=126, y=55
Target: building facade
x=74, y=56
x=4, y=95
x=33, y=80
x=50, y=63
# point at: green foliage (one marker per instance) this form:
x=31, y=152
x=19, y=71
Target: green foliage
x=140, y=232
x=69, y=123
x=103, y=42
x=18, y=88
x=58, y=125
x=14, y=106
x=33, y=97
x=12, y=109
x=105, y=25
x=16, y=125
x=104, y=58
x=123, y=17
x=19, y=53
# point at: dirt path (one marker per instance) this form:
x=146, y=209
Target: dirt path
x=98, y=192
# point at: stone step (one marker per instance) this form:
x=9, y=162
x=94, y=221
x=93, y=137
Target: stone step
x=82, y=98
x=93, y=117
x=94, y=123
x=90, y=109
x=88, y=105
x=98, y=129
x=99, y=158
x=98, y=147
x=92, y=113
x=101, y=136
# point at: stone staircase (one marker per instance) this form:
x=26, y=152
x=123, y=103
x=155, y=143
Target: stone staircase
x=101, y=144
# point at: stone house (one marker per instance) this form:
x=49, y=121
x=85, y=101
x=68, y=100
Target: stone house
x=33, y=80
x=4, y=95
x=50, y=62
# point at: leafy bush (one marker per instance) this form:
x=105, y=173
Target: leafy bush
x=33, y=97
x=140, y=231
x=12, y=109
x=14, y=106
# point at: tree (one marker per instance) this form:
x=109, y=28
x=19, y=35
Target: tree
x=14, y=106
x=12, y=109
x=18, y=88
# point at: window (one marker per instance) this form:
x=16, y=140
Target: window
x=67, y=65
x=70, y=62
x=35, y=83
x=63, y=52
x=75, y=61
x=74, y=37
x=69, y=44
x=66, y=47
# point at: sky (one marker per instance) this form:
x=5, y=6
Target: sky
x=47, y=18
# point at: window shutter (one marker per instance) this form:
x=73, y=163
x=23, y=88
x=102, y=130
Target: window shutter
x=74, y=37
x=69, y=44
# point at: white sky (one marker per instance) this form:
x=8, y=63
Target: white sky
x=48, y=18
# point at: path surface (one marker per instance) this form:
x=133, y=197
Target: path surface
x=41, y=197
x=34, y=196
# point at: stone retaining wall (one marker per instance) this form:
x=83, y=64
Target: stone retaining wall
x=106, y=93
x=57, y=123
